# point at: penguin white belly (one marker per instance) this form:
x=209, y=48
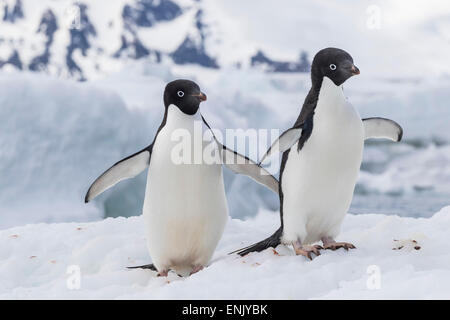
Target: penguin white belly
x=318, y=182
x=185, y=206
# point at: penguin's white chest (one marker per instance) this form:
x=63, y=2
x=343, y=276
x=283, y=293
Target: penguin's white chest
x=318, y=182
x=185, y=206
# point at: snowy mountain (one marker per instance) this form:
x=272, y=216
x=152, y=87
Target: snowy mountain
x=90, y=39
x=83, y=40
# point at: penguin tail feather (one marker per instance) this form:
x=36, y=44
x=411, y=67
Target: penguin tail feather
x=146, y=266
x=271, y=242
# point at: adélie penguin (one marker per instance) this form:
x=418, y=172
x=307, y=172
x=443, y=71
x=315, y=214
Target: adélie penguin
x=185, y=209
x=321, y=158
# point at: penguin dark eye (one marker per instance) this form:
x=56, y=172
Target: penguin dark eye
x=333, y=66
x=180, y=94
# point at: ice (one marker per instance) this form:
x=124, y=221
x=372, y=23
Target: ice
x=37, y=261
x=56, y=137
x=423, y=169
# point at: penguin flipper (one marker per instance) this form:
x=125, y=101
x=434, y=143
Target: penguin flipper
x=124, y=169
x=243, y=165
x=382, y=128
x=284, y=142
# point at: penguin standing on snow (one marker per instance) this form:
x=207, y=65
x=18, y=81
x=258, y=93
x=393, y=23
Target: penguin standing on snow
x=321, y=158
x=185, y=209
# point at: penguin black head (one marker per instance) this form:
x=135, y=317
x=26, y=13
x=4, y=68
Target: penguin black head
x=184, y=94
x=333, y=63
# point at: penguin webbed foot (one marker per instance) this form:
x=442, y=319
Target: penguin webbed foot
x=196, y=269
x=163, y=273
x=331, y=244
x=305, y=250
x=338, y=245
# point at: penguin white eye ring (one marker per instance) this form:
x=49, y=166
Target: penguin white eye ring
x=333, y=66
x=180, y=94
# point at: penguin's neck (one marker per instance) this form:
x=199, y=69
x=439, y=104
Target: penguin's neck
x=332, y=106
x=321, y=87
x=330, y=92
x=177, y=119
x=175, y=114
x=325, y=84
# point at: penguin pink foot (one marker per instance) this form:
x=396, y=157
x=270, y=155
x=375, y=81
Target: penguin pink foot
x=196, y=269
x=163, y=273
x=306, y=250
x=330, y=243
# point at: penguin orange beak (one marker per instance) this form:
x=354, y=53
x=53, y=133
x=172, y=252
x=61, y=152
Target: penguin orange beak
x=355, y=70
x=201, y=96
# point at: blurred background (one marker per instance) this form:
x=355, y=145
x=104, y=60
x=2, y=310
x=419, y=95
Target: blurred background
x=81, y=86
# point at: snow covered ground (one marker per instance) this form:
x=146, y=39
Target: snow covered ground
x=43, y=260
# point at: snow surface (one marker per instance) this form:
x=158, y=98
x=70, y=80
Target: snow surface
x=34, y=261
